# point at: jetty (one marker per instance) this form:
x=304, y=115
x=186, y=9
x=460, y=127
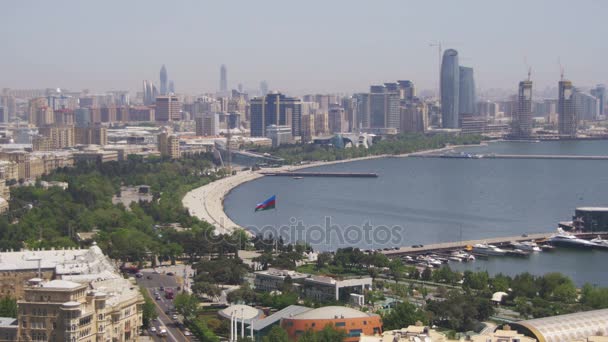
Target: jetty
x=321, y=174
x=459, y=245
x=508, y=156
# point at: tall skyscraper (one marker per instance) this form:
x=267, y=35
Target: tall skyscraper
x=450, y=85
x=522, y=121
x=384, y=106
x=263, y=88
x=600, y=93
x=414, y=117
x=171, y=87
x=466, y=92
x=275, y=109
x=566, y=111
x=223, y=80
x=163, y=80
x=587, y=106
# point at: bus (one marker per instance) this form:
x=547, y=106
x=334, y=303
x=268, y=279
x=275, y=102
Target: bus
x=169, y=294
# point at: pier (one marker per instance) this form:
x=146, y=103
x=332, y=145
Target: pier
x=321, y=174
x=509, y=156
x=500, y=241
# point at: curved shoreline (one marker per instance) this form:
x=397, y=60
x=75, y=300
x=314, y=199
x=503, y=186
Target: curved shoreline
x=207, y=202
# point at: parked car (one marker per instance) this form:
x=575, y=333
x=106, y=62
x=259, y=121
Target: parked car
x=170, y=273
x=153, y=329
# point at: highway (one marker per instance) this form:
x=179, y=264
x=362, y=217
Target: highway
x=152, y=282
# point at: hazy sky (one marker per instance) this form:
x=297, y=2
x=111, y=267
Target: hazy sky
x=298, y=46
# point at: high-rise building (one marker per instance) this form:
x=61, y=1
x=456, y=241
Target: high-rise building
x=587, y=106
x=414, y=117
x=450, y=85
x=108, y=114
x=91, y=135
x=59, y=136
x=600, y=92
x=321, y=124
x=141, y=113
x=567, y=119
x=275, y=109
x=163, y=80
x=208, y=125
x=407, y=91
x=308, y=127
x=487, y=109
x=167, y=108
x=466, y=91
x=3, y=115
x=384, y=106
x=336, y=121
x=263, y=88
x=171, y=87
x=223, y=80
x=362, y=110
x=279, y=135
x=522, y=120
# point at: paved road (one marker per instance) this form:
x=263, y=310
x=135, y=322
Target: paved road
x=163, y=305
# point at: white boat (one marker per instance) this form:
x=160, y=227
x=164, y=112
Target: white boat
x=455, y=258
x=565, y=239
x=486, y=249
x=600, y=242
x=529, y=246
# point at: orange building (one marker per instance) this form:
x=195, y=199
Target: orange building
x=354, y=322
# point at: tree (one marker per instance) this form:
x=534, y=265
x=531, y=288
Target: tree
x=402, y=315
x=397, y=269
x=276, y=334
x=595, y=298
x=322, y=260
x=476, y=280
x=8, y=307
x=207, y=288
x=186, y=305
x=149, y=309
x=426, y=274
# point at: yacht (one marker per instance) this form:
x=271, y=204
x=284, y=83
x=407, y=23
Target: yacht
x=529, y=246
x=600, y=242
x=485, y=249
x=563, y=238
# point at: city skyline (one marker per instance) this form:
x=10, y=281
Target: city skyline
x=346, y=65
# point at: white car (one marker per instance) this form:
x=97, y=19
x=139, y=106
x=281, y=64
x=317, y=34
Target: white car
x=153, y=329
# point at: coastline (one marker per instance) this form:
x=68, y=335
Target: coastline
x=207, y=202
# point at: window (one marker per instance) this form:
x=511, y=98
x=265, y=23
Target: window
x=355, y=333
x=299, y=332
x=340, y=324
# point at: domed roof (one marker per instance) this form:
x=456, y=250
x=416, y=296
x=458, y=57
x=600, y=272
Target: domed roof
x=241, y=312
x=332, y=312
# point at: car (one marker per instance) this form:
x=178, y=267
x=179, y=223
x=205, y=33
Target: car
x=162, y=332
x=524, y=235
x=170, y=273
x=153, y=329
x=187, y=333
x=161, y=288
x=149, y=277
x=157, y=297
x=139, y=275
x=174, y=317
x=155, y=272
x=417, y=246
x=179, y=288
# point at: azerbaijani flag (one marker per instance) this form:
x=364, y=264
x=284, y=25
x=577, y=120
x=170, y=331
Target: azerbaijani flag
x=267, y=204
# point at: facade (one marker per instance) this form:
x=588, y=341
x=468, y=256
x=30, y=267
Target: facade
x=141, y=113
x=361, y=117
x=522, y=121
x=167, y=108
x=384, y=106
x=600, y=93
x=168, y=145
x=590, y=219
x=223, y=79
x=336, y=120
x=321, y=124
x=506, y=334
x=414, y=117
x=354, y=322
x=92, y=135
x=107, y=114
x=466, y=92
x=275, y=109
x=407, y=91
x=163, y=80
x=279, y=135
x=567, y=118
x=417, y=332
x=61, y=310
x=208, y=125
x=587, y=106
x=308, y=127
x=450, y=86
x=82, y=117
x=487, y=109
x=59, y=136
